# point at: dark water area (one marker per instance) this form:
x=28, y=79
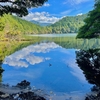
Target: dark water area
x=50, y=67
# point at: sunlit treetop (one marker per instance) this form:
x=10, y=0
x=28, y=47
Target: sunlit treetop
x=19, y=7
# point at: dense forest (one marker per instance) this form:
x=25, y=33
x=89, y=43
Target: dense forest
x=69, y=24
x=14, y=27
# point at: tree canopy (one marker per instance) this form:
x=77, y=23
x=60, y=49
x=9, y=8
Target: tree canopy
x=91, y=28
x=68, y=24
x=19, y=7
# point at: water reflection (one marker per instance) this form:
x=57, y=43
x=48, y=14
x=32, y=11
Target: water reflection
x=47, y=66
x=1, y=71
x=26, y=56
x=89, y=62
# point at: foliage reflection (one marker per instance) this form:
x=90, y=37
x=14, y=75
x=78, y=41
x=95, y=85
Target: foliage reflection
x=89, y=62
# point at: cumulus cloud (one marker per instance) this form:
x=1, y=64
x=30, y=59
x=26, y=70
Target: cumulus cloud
x=24, y=57
x=46, y=5
x=34, y=59
x=42, y=17
x=15, y=62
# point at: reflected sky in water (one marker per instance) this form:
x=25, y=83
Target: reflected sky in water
x=55, y=35
x=47, y=66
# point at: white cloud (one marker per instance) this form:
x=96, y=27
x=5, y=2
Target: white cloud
x=43, y=17
x=74, y=2
x=81, y=1
x=79, y=14
x=47, y=58
x=12, y=61
x=46, y=5
x=22, y=57
x=66, y=12
x=34, y=59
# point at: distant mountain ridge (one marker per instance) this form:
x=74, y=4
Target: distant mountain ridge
x=68, y=24
x=12, y=26
x=38, y=23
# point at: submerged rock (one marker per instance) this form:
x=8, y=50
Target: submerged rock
x=22, y=94
x=23, y=84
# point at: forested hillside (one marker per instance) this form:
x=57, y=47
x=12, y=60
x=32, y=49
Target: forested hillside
x=69, y=24
x=13, y=27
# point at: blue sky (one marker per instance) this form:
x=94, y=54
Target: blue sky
x=53, y=10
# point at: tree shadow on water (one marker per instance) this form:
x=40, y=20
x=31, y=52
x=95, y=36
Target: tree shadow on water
x=89, y=62
x=1, y=71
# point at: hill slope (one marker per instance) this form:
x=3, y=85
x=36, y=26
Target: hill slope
x=12, y=25
x=69, y=24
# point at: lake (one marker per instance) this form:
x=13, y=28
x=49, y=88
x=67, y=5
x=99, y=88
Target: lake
x=49, y=67
x=56, y=35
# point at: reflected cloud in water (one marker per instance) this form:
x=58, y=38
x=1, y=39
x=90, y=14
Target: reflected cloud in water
x=19, y=58
x=70, y=61
x=34, y=59
x=47, y=66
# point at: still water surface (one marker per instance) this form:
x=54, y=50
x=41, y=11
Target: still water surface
x=49, y=67
x=56, y=35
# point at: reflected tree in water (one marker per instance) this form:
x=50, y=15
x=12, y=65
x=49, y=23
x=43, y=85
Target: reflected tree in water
x=89, y=62
x=0, y=77
x=1, y=71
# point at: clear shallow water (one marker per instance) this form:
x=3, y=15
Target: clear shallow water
x=56, y=35
x=47, y=66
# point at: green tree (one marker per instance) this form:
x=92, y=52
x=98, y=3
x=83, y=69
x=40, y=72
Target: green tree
x=91, y=28
x=1, y=25
x=68, y=24
x=19, y=7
